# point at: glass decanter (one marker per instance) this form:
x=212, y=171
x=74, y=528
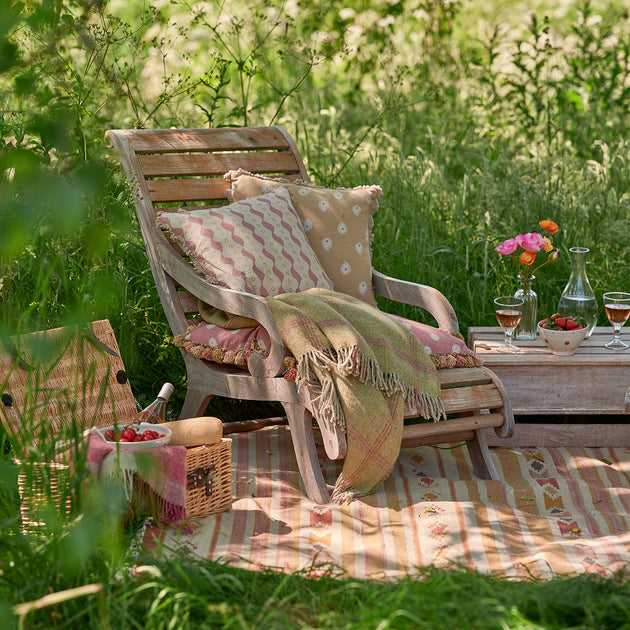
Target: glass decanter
x=578, y=298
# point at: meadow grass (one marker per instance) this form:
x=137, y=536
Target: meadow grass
x=477, y=119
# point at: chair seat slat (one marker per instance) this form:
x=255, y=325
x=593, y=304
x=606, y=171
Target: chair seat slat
x=475, y=398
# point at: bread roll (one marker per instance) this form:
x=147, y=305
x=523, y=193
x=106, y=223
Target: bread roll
x=194, y=431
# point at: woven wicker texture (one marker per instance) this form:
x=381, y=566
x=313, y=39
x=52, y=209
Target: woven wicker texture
x=53, y=378
x=56, y=377
x=209, y=481
x=209, y=470
x=44, y=488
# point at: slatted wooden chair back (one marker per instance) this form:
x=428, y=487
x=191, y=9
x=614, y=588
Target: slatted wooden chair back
x=183, y=168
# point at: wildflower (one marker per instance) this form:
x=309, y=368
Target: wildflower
x=527, y=258
x=508, y=247
x=531, y=242
x=549, y=226
x=524, y=247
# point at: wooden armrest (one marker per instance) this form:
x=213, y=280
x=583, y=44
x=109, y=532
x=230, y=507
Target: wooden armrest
x=231, y=301
x=415, y=294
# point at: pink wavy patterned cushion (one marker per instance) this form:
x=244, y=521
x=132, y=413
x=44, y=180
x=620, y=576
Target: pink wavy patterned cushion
x=255, y=245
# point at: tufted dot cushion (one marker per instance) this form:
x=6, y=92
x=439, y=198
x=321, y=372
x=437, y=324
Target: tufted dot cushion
x=256, y=245
x=338, y=224
x=446, y=350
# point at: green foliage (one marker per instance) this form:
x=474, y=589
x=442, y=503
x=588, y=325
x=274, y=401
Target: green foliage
x=475, y=128
x=192, y=593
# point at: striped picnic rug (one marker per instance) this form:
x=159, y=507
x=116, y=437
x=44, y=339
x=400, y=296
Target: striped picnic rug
x=557, y=511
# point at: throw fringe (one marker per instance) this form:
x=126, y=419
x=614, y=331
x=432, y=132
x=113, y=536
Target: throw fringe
x=349, y=362
x=120, y=466
x=171, y=513
x=343, y=492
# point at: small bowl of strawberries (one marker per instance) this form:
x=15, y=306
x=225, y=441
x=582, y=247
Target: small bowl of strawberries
x=562, y=334
x=136, y=437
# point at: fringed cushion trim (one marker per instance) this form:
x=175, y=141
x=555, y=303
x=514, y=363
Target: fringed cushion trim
x=455, y=360
x=440, y=361
x=195, y=260
x=231, y=175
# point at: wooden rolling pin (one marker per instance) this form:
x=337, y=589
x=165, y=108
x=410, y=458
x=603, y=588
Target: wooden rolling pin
x=194, y=431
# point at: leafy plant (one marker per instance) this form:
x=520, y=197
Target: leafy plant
x=469, y=140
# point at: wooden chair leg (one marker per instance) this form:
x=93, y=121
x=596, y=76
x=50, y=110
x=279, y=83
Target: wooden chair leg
x=301, y=425
x=480, y=456
x=195, y=403
x=334, y=438
x=506, y=430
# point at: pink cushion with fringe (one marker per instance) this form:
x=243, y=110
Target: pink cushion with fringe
x=445, y=349
x=220, y=345
x=234, y=347
x=255, y=245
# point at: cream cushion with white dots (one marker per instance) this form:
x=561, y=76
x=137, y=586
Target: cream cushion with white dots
x=338, y=225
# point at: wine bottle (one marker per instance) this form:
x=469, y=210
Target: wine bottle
x=156, y=411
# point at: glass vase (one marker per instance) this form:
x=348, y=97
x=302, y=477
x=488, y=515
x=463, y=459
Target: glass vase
x=578, y=299
x=527, y=328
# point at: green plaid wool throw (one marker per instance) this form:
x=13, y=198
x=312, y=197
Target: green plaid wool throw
x=363, y=370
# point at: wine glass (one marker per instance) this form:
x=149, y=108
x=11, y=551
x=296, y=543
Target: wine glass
x=617, y=307
x=509, y=311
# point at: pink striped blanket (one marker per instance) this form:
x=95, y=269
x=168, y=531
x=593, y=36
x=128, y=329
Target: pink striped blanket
x=556, y=511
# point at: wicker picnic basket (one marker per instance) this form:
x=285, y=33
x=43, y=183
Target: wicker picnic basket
x=71, y=379
x=209, y=481
x=209, y=470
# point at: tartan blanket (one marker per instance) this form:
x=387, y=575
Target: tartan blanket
x=363, y=370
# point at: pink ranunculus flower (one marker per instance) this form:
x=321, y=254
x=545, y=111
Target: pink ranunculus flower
x=531, y=242
x=508, y=247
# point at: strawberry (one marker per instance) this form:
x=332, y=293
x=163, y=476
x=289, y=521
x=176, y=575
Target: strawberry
x=560, y=322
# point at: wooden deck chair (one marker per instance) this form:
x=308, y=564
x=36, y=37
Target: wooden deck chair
x=182, y=167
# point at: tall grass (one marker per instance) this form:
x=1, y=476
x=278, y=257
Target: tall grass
x=477, y=120
x=475, y=130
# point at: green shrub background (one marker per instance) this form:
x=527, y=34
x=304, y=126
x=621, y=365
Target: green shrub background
x=476, y=122
x=478, y=119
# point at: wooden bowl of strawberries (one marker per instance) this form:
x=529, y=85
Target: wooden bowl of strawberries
x=562, y=334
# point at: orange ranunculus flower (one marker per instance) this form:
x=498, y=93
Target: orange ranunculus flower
x=527, y=258
x=549, y=226
x=548, y=246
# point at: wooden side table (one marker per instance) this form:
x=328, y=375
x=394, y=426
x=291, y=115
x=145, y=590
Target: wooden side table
x=593, y=381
